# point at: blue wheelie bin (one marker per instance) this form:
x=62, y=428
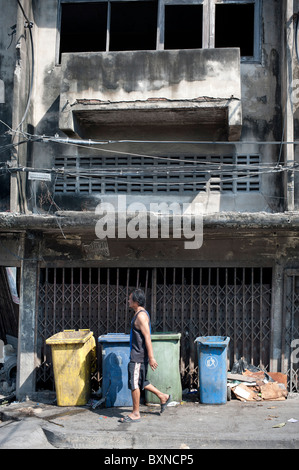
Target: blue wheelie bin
x=212, y=368
x=115, y=358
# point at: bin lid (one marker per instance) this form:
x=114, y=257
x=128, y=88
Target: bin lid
x=70, y=337
x=114, y=338
x=165, y=336
x=213, y=341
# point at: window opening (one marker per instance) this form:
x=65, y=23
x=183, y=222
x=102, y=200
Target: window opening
x=183, y=27
x=83, y=27
x=133, y=26
x=234, y=27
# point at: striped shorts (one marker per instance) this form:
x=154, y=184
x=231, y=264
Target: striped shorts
x=137, y=375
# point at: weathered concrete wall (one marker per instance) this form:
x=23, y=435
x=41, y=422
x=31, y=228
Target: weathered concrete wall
x=262, y=100
x=261, y=110
x=239, y=249
x=8, y=56
x=295, y=103
x=142, y=75
x=7, y=63
x=150, y=81
x=230, y=239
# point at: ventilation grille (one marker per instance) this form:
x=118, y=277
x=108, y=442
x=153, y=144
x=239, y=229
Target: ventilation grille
x=174, y=175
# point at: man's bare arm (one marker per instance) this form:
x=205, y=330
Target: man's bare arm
x=142, y=323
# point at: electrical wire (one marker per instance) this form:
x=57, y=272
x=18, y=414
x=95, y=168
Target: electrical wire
x=123, y=176
x=173, y=183
x=92, y=141
x=29, y=25
x=172, y=159
x=89, y=142
x=82, y=144
x=7, y=147
x=120, y=179
x=21, y=190
x=218, y=168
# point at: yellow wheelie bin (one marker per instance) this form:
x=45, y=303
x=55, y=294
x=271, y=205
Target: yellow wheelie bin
x=74, y=360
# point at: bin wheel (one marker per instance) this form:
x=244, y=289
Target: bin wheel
x=229, y=394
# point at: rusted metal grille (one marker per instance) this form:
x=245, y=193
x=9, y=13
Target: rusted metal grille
x=290, y=330
x=234, y=302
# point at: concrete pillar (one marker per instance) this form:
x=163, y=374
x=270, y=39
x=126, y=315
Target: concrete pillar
x=23, y=67
x=276, y=317
x=27, y=358
x=2, y=92
x=288, y=104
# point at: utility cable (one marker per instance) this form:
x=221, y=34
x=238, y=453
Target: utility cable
x=29, y=26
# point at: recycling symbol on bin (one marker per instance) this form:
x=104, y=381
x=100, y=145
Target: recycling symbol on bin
x=211, y=362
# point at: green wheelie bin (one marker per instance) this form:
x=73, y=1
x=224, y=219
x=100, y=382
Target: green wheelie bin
x=166, y=377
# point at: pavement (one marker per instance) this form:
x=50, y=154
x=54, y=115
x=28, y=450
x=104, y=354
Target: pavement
x=41, y=424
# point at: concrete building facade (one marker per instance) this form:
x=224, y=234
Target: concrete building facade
x=124, y=123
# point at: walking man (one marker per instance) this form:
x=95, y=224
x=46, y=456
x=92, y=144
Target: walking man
x=141, y=355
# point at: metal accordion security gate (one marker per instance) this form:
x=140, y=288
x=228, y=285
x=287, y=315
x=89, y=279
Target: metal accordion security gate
x=234, y=302
x=290, y=329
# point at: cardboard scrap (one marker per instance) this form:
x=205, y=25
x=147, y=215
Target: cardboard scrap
x=245, y=393
x=262, y=390
x=272, y=391
x=279, y=378
x=258, y=376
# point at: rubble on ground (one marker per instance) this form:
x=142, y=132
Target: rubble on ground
x=8, y=366
x=250, y=383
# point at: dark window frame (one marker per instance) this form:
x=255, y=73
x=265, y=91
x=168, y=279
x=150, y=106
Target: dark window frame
x=208, y=23
x=257, y=33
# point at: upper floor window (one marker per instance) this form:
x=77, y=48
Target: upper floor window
x=83, y=27
x=237, y=25
x=183, y=26
x=108, y=26
x=124, y=25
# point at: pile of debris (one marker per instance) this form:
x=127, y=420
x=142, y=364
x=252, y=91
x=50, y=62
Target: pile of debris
x=8, y=365
x=250, y=383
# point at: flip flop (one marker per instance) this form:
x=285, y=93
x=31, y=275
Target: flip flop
x=127, y=419
x=164, y=405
